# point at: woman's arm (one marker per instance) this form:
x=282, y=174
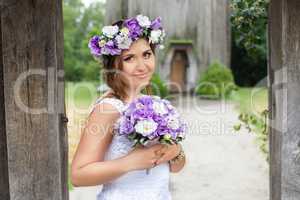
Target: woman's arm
x=87, y=167
x=97, y=173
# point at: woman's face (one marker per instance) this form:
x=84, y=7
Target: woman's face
x=138, y=63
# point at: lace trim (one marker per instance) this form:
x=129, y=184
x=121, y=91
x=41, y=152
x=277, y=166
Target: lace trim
x=117, y=103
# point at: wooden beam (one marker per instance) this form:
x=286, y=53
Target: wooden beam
x=284, y=99
x=4, y=184
x=32, y=56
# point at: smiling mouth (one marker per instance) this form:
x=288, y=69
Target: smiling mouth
x=142, y=75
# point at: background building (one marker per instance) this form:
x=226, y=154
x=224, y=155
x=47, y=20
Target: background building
x=197, y=32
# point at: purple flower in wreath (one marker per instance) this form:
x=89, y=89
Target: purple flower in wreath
x=94, y=45
x=135, y=30
x=156, y=24
x=110, y=48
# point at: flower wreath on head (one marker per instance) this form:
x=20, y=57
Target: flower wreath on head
x=113, y=39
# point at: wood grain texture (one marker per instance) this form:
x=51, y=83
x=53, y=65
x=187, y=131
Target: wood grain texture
x=4, y=183
x=32, y=42
x=284, y=79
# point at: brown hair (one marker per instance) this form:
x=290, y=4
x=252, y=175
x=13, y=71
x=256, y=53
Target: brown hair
x=111, y=75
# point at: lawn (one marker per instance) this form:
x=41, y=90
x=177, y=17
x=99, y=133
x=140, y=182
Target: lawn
x=80, y=94
x=250, y=100
x=79, y=97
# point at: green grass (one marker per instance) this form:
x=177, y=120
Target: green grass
x=70, y=186
x=250, y=100
x=80, y=94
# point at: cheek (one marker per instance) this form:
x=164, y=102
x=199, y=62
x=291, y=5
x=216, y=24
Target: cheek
x=151, y=64
x=128, y=68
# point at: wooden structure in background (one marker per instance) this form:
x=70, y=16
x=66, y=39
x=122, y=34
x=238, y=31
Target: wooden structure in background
x=33, y=140
x=204, y=22
x=284, y=99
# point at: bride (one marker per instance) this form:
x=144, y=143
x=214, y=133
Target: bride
x=127, y=49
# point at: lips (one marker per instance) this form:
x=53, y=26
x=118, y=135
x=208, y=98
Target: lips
x=142, y=75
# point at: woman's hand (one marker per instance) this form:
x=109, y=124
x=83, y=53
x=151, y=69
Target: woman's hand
x=144, y=157
x=169, y=152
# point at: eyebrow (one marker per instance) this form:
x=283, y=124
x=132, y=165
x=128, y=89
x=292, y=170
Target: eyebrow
x=130, y=54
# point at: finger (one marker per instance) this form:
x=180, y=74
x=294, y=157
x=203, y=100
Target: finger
x=160, y=152
x=161, y=160
x=157, y=146
x=163, y=150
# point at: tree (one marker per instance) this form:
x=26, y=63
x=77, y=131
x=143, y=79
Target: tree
x=79, y=22
x=249, y=33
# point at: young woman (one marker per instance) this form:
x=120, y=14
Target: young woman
x=103, y=157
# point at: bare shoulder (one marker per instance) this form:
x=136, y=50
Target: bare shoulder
x=96, y=135
x=108, y=93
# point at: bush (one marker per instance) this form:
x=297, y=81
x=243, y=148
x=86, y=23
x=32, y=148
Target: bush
x=159, y=87
x=216, y=82
x=257, y=124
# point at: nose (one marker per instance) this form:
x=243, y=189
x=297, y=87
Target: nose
x=141, y=65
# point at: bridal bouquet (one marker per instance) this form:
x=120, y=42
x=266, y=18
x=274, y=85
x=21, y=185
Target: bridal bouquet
x=150, y=120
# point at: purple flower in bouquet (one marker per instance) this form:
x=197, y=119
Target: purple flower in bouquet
x=150, y=119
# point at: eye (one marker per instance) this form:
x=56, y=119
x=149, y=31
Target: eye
x=129, y=58
x=147, y=54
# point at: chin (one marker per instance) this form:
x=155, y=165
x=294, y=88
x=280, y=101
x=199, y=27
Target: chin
x=142, y=83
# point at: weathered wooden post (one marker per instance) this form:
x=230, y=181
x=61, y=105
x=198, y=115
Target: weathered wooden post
x=284, y=102
x=33, y=140
x=4, y=186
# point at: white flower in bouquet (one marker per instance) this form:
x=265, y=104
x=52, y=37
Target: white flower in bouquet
x=145, y=127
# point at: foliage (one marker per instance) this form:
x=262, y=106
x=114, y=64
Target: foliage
x=216, y=82
x=250, y=100
x=258, y=125
x=158, y=86
x=249, y=40
x=249, y=19
x=79, y=23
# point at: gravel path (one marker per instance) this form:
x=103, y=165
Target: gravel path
x=221, y=164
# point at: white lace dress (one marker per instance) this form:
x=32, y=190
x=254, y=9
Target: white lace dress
x=134, y=185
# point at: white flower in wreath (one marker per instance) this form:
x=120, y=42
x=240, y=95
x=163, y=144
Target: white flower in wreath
x=102, y=43
x=163, y=34
x=110, y=31
x=104, y=51
x=146, y=127
x=155, y=36
x=143, y=21
x=123, y=42
x=124, y=31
